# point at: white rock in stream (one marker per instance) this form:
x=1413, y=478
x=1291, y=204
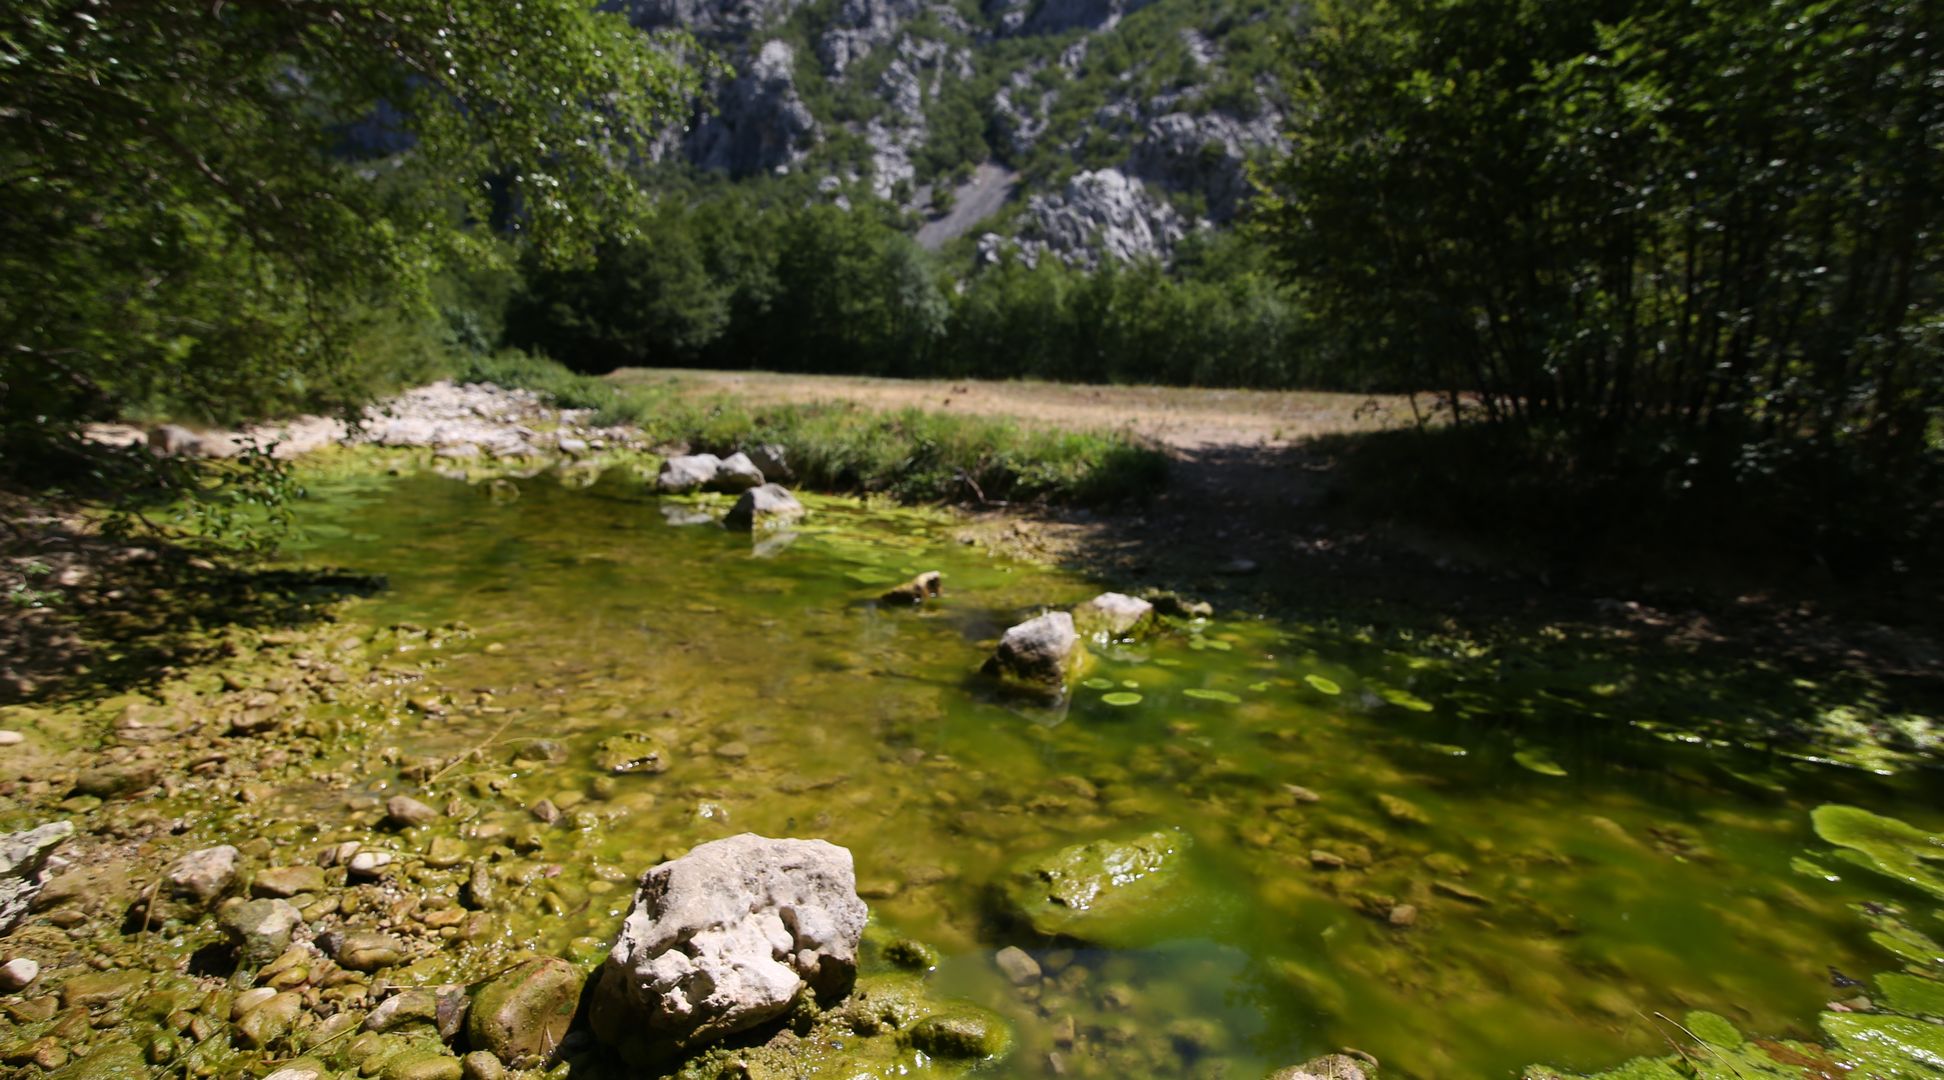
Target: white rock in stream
x=726, y=938
x=1040, y=653
x=689, y=472
x=1113, y=615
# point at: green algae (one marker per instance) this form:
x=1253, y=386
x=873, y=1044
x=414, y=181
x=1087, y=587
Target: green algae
x=1221, y=696
x=1888, y=846
x=785, y=709
x=1538, y=761
x=1121, y=698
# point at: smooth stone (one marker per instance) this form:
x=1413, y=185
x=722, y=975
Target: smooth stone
x=11, y=738
x=271, y=1020
x=369, y=864
x=109, y=781
x=300, y=1069
x=405, y=812
x=521, y=1015
x=1017, y=965
x=1404, y=915
x=284, y=882
x=18, y=974
x=482, y=1065
x=428, y=1065
x=1090, y=891
x=92, y=988
x=368, y=951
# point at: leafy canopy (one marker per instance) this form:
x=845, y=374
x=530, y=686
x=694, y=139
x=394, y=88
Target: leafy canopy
x=213, y=204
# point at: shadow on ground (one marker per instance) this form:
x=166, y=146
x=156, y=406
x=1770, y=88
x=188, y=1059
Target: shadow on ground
x=84, y=613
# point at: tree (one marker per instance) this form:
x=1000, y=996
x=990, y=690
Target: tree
x=209, y=201
x=1710, y=220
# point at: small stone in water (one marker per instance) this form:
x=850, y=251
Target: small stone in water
x=1403, y=915
x=1324, y=860
x=1017, y=965
x=407, y=812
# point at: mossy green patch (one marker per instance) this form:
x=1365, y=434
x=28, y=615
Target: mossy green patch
x=1892, y=847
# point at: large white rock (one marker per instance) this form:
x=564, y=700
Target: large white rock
x=1040, y=653
x=689, y=472
x=1113, y=615
x=23, y=867
x=726, y=938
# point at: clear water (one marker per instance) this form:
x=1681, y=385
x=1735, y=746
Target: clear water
x=1653, y=878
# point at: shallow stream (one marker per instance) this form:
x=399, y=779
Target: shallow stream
x=1573, y=881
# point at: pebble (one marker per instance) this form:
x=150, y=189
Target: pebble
x=11, y=738
x=406, y=812
x=17, y=974
x=1324, y=860
x=283, y=882
x=1017, y=965
x=370, y=864
x=1404, y=915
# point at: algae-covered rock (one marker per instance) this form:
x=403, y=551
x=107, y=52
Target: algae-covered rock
x=1113, y=615
x=521, y=1015
x=1082, y=891
x=367, y=951
x=965, y=1034
x=260, y=929
x=108, y=1061
x=1040, y=653
x=769, y=506
x=271, y=1020
x=725, y=938
x=631, y=753
x=286, y=881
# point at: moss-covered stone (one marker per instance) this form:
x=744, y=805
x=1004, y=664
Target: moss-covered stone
x=961, y=1035
x=1082, y=890
x=521, y=1015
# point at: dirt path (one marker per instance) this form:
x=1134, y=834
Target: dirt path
x=1181, y=419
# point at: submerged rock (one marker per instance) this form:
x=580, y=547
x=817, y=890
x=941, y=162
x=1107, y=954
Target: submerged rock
x=769, y=506
x=1041, y=653
x=725, y=938
x=1113, y=615
x=1085, y=890
x=964, y=1035
x=522, y=1015
x=926, y=586
x=23, y=867
x=631, y=753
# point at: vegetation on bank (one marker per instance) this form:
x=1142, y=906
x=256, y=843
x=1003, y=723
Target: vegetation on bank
x=911, y=455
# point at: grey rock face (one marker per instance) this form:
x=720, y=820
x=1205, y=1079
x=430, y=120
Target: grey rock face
x=767, y=507
x=201, y=876
x=726, y=938
x=1113, y=615
x=760, y=122
x=23, y=867
x=773, y=460
x=1206, y=153
x=1040, y=653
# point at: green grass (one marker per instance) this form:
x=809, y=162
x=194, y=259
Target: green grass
x=911, y=455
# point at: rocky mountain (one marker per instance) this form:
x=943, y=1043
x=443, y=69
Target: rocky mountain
x=1087, y=129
